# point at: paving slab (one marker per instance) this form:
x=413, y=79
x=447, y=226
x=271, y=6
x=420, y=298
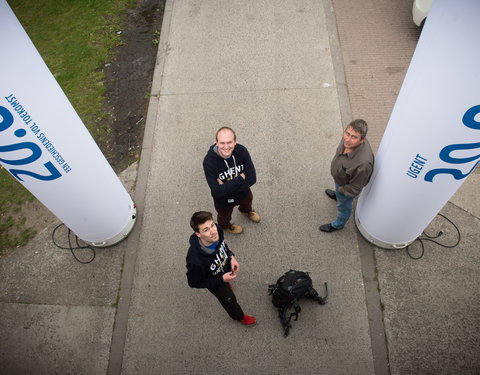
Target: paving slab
x=54, y=339
x=58, y=314
x=466, y=196
x=249, y=45
x=44, y=274
x=431, y=304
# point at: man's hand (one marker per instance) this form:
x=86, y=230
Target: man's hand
x=220, y=182
x=234, y=264
x=229, y=276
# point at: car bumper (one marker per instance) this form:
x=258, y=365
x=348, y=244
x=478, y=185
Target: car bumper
x=420, y=10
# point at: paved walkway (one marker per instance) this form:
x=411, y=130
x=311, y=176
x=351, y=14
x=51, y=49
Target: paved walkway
x=266, y=70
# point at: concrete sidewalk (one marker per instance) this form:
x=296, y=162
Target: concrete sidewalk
x=273, y=71
x=265, y=69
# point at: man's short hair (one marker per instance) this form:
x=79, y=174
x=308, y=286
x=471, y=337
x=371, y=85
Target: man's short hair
x=199, y=218
x=225, y=128
x=360, y=126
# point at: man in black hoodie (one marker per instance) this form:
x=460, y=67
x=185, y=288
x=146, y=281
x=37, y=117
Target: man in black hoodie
x=211, y=265
x=230, y=173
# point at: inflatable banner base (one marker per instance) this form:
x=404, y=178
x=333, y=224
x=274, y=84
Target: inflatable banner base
x=376, y=241
x=120, y=236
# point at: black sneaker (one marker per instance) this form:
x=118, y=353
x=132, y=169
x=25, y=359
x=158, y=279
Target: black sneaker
x=327, y=228
x=331, y=194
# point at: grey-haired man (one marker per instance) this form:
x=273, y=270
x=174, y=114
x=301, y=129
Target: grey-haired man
x=351, y=169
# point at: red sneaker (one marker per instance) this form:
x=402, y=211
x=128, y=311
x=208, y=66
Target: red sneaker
x=248, y=320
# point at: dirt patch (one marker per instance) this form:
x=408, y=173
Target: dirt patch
x=128, y=83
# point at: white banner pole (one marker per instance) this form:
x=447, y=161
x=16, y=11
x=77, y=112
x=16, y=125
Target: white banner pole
x=46, y=147
x=432, y=140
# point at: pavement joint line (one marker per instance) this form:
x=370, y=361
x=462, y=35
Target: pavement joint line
x=338, y=64
x=120, y=325
x=55, y=304
x=464, y=210
x=378, y=335
x=249, y=90
x=366, y=251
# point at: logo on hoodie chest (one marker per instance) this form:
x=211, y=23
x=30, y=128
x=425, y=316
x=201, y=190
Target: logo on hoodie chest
x=220, y=261
x=230, y=173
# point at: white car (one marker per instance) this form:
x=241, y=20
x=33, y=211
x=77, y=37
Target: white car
x=420, y=10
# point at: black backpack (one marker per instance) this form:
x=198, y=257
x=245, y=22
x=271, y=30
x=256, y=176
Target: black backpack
x=288, y=290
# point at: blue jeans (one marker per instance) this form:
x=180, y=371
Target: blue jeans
x=344, y=207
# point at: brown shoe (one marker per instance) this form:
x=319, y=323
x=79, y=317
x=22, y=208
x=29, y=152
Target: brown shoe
x=253, y=216
x=234, y=229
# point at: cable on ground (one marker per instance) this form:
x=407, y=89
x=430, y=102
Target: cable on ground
x=432, y=239
x=72, y=248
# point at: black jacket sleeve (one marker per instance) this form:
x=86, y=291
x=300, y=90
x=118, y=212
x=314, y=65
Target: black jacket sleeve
x=226, y=189
x=249, y=171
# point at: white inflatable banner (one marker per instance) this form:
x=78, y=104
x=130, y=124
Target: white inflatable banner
x=432, y=140
x=46, y=147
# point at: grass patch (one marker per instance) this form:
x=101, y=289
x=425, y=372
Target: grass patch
x=117, y=301
x=12, y=230
x=75, y=38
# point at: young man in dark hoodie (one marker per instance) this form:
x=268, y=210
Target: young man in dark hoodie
x=230, y=173
x=211, y=265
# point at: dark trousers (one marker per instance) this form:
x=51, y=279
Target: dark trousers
x=224, y=214
x=228, y=300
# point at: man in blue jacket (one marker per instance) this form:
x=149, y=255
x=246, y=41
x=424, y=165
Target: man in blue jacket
x=230, y=173
x=212, y=265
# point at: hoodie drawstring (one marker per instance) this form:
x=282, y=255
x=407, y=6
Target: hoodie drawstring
x=234, y=163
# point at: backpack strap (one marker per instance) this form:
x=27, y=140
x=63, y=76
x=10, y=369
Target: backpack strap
x=282, y=314
x=312, y=293
x=297, y=309
x=271, y=288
